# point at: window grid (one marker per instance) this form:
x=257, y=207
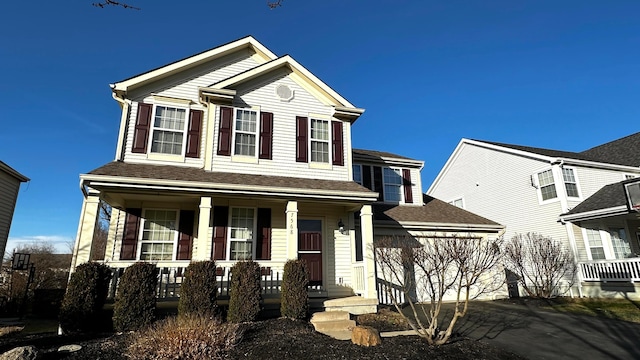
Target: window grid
x=570, y=183
x=241, y=233
x=357, y=174
x=547, y=186
x=168, y=130
x=158, y=235
x=620, y=243
x=595, y=244
x=245, y=134
x=319, y=141
x=392, y=184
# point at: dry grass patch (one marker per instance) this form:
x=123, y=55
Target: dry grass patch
x=619, y=309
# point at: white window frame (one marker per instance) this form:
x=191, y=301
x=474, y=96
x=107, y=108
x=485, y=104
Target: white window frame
x=605, y=233
x=575, y=182
x=353, y=173
x=539, y=186
x=327, y=141
x=254, y=230
x=174, y=242
x=627, y=235
x=398, y=171
x=153, y=128
x=255, y=133
x=456, y=200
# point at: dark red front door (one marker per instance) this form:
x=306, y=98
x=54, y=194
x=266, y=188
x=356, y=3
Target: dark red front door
x=310, y=248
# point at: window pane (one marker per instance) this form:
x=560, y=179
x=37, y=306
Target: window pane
x=241, y=250
x=545, y=178
x=572, y=190
x=620, y=243
x=570, y=182
x=319, y=151
x=246, y=127
x=392, y=184
x=158, y=235
x=357, y=174
x=597, y=253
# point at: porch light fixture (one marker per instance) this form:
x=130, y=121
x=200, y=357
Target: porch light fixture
x=341, y=228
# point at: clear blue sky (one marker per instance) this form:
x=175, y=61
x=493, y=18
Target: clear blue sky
x=556, y=74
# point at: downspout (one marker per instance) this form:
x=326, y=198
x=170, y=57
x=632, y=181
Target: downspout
x=124, y=105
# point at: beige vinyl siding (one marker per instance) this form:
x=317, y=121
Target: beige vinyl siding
x=580, y=244
x=590, y=180
x=9, y=187
x=497, y=185
x=261, y=92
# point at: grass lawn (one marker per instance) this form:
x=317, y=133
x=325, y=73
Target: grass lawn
x=619, y=309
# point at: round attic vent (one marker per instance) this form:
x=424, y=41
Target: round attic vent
x=284, y=92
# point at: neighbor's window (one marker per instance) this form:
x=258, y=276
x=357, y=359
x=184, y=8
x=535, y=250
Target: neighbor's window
x=319, y=141
x=158, y=235
x=245, y=132
x=357, y=174
x=620, y=243
x=241, y=233
x=595, y=244
x=457, y=203
x=570, y=182
x=392, y=184
x=168, y=130
x=547, y=186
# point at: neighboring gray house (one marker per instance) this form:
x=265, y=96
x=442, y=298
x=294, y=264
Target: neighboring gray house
x=9, y=185
x=527, y=189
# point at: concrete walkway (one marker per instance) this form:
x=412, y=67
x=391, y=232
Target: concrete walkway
x=537, y=333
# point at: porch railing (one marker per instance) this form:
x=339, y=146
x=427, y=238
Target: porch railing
x=388, y=291
x=627, y=270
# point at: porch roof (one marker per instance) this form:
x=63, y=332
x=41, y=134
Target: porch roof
x=434, y=214
x=608, y=201
x=121, y=174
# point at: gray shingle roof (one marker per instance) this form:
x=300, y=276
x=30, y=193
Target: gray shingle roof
x=433, y=211
x=167, y=172
x=377, y=154
x=609, y=196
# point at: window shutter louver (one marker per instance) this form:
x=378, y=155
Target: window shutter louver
x=366, y=177
x=263, y=241
x=141, y=132
x=266, y=135
x=193, y=134
x=406, y=182
x=220, y=218
x=301, y=139
x=129, y=245
x=338, y=152
x=185, y=239
x=224, y=135
x=377, y=182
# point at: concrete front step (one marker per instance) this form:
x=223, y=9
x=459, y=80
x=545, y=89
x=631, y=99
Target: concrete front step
x=355, y=305
x=334, y=325
x=330, y=316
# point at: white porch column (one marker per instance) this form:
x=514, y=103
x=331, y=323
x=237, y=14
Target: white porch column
x=86, y=228
x=366, y=228
x=292, y=229
x=201, y=250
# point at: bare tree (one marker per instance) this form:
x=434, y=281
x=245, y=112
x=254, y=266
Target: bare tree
x=540, y=263
x=115, y=3
x=433, y=268
x=101, y=232
x=274, y=4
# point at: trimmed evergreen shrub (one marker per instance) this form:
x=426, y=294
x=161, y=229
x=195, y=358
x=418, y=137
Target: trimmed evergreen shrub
x=245, y=292
x=86, y=294
x=136, y=297
x=294, y=299
x=198, y=290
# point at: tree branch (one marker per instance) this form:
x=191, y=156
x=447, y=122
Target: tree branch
x=115, y=3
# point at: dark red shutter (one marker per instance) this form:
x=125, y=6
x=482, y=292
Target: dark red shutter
x=336, y=138
x=220, y=218
x=377, y=182
x=366, y=177
x=193, y=134
x=224, y=135
x=131, y=231
x=263, y=241
x=406, y=182
x=302, y=145
x=185, y=239
x=141, y=132
x=266, y=135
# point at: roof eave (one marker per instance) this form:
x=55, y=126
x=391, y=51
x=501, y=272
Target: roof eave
x=595, y=214
x=437, y=226
x=11, y=171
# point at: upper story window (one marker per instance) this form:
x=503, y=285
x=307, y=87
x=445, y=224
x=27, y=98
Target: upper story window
x=241, y=233
x=457, y=202
x=168, y=130
x=357, y=174
x=570, y=183
x=245, y=132
x=159, y=234
x=630, y=176
x=546, y=184
x=392, y=184
x=319, y=140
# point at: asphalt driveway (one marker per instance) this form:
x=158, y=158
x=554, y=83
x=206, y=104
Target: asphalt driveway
x=538, y=333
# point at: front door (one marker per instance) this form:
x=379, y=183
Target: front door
x=310, y=248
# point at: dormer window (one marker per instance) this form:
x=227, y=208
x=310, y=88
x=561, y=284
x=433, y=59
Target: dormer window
x=168, y=130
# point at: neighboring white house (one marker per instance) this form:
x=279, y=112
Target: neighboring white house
x=527, y=189
x=10, y=181
x=234, y=154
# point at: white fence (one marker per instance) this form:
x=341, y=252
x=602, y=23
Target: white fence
x=627, y=270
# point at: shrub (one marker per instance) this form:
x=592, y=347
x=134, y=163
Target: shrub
x=85, y=296
x=198, y=290
x=186, y=337
x=245, y=292
x=136, y=298
x=294, y=297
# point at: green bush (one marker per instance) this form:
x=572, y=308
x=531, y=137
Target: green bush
x=245, y=292
x=85, y=296
x=185, y=337
x=198, y=290
x=294, y=299
x=136, y=297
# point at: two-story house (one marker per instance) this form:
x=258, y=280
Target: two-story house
x=236, y=153
x=528, y=189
